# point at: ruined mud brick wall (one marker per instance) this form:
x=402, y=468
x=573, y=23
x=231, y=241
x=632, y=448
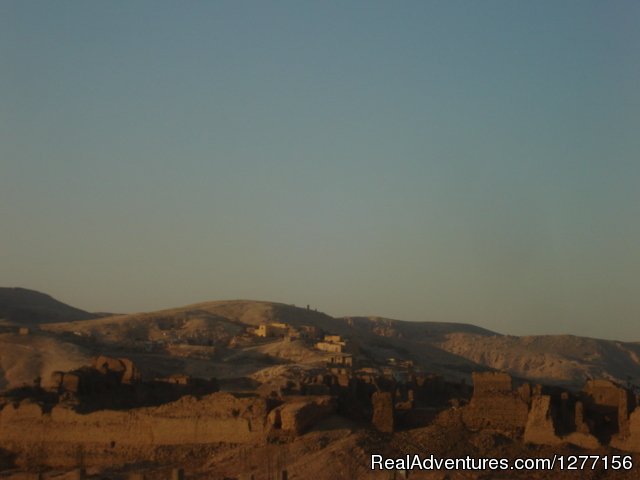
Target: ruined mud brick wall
x=104, y=373
x=383, y=411
x=128, y=373
x=630, y=442
x=603, y=397
x=495, y=405
x=489, y=383
x=298, y=415
x=116, y=437
x=543, y=425
x=626, y=404
x=540, y=428
x=602, y=392
x=354, y=400
x=579, y=420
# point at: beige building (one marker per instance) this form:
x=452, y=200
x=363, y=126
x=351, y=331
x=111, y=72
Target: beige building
x=331, y=347
x=333, y=338
x=341, y=359
x=335, y=344
x=274, y=329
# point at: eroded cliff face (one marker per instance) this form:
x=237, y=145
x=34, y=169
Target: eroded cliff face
x=60, y=436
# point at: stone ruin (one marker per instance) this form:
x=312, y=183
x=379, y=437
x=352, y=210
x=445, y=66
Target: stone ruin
x=603, y=413
x=298, y=414
x=105, y=373
x=496, y=405
x=366, y=395
x=117, y=383
x=111, y=437
x=383, y=412
x=608, y=406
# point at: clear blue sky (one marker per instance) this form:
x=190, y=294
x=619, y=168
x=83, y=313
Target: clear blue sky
x=453, y=161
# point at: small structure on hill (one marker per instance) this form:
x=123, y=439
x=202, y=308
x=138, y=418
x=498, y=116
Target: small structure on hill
x=335, y=344
x=340, y=359
x=273, y=329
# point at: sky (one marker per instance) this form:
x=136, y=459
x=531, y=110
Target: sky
x=455, y=161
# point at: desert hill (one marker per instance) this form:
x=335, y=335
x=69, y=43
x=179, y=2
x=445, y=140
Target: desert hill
x=219, y=320
x=403, y=329
x=551, y=359
x=222, y=326
x=214, y=339
x=567, y=360
x=23, y=359
x=19, y=305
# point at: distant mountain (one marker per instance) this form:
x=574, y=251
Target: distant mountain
x=566, y=360
x=28, y=307
x=450, y=349
x=453, y=350
x=220, y=321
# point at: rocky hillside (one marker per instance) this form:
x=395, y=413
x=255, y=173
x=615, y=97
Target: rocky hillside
x=25, y=358
x=551, y=359
x=28, y=307
x=450, y=349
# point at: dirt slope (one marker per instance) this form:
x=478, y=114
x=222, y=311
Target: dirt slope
x=19, y=305
x=553, y=359
x=450, y=349
x=23, y=358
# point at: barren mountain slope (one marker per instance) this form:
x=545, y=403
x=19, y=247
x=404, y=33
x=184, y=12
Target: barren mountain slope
x=153, y=326
x=23, y=358
x=23, y=306
x=219, y=321
x=450, y=349
x=418, y=331
x=554, y=359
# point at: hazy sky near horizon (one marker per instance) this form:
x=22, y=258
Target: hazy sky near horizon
x=451, y=161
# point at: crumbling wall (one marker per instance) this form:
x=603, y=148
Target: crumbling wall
x=579, y=421
x=115, y=437
x=607, y=407
x=298, y=415
x=602, y=392
x=540, y=427
x=582, y=440
x=488, y=383
x=631, y=441
x=495, y=405
x=625, y=404
x=383, y=411
x=128, y=373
